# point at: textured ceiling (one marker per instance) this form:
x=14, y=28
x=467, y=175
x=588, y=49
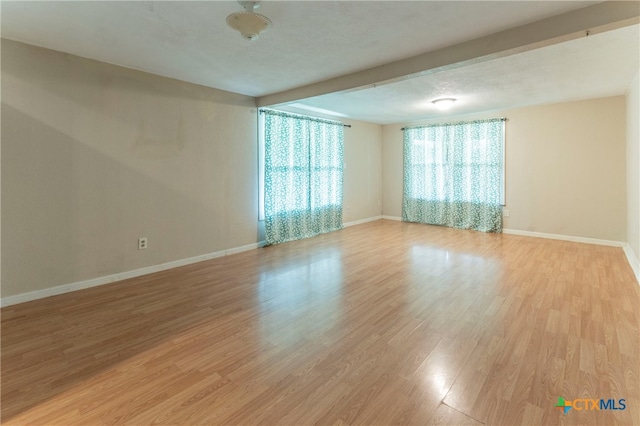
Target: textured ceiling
x=313, y=41
x=591, y=67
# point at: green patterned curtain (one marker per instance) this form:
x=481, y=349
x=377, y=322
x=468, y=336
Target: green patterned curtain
x=303, y=176
x=453, y=175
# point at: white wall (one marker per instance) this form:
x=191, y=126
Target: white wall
x=565, y=168
x=633, y=177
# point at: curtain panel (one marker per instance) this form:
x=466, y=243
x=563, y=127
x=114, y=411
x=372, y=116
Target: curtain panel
x=453, y=175
x=303, y=176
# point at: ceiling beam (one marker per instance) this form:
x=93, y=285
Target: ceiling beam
x=583, y=22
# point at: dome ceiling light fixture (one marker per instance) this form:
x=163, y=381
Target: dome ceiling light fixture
x=249, y=23
x=444, y=103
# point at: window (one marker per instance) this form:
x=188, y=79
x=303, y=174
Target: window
x=454, y=174
x=302, y=176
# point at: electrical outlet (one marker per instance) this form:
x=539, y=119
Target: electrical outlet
x=142, y=243
x=505, y=212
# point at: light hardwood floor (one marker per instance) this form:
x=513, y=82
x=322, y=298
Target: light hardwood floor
x=381, y=323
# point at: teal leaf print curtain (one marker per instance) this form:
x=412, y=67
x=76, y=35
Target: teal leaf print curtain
x=453, y=175
x=303, y=176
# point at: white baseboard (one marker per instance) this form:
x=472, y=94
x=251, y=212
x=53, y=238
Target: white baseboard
x=584, y=240
x=548, y=236
x=631, y=258
x=80, y=285
x=239, y=249
x=633, y=261
x=361, y=221
x=94, y=282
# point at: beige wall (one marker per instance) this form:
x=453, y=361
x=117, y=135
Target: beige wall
x=94, y=156
x=392, y=164
x=565, y=168
x=363, y=171
x=633, y=165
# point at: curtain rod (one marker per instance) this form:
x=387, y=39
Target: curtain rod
x=455, y=123
x=263, y=110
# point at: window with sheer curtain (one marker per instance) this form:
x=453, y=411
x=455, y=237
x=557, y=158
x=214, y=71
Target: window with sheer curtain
x=454, y=175
x=303, y=159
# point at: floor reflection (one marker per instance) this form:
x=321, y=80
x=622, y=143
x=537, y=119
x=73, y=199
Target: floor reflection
x=438, y=261
x=300, y=299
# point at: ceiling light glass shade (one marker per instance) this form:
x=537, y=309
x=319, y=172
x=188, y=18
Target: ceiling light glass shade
x=249, y=24
x=444, y=103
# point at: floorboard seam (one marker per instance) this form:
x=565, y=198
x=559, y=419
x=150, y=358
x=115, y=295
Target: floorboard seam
x=464, y=414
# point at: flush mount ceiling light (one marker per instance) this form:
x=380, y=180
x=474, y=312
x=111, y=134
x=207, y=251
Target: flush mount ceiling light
x=444, y=103
x=249, y=23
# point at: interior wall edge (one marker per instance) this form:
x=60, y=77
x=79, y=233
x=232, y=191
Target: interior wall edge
x=81, y=285
x=633, y=261
x=107, y=279
x=361, y=221
x=632, y=249
x=571, y=238
x=95, y=282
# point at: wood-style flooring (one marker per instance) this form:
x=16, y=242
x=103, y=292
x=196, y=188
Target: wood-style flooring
x=380, y=323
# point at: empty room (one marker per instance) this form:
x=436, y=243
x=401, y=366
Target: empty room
x=320, y=212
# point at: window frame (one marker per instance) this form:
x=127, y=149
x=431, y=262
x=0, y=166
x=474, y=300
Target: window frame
x=337, y=168
x=448, y=162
